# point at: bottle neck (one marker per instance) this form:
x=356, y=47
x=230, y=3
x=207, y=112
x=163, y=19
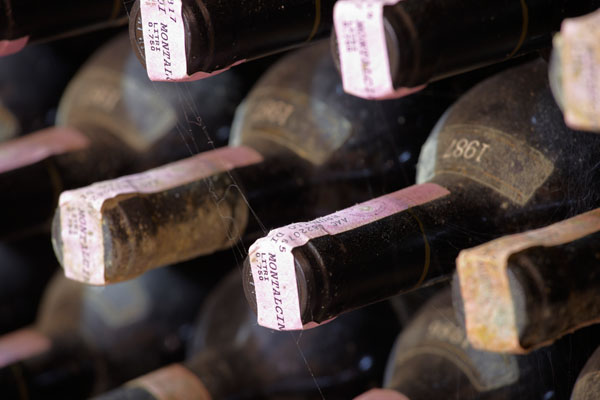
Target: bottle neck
x=27, y=266
x=538, y=298
x=517, y=28
x=549, y=298
x=437, y=343
x=61, y=367
x=49, y=21
x=201, y=193
x=160, y=120
x=35, y=169
x=414, y=247
x=30, y=178
x=207, y=376
x=406, y=250
x=236, y=37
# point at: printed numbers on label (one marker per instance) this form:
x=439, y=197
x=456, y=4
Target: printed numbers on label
x=154, y=36
x=263, y=271
x=308, y=228
x=467, y=149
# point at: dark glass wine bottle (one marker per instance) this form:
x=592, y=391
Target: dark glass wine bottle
x=194, y=39
x=587, y=386
x=109, y=115
x=33, y=21
x=31, y=83
x=26, y=266
x=164, y=122
x=297, y=139
x=386, y=47
x=233, y=358
x=525, y=290
x=501, y=160
x=432, y=359
x=87, y=340
x=34, y=170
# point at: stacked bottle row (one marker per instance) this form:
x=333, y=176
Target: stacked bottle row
x=134, y=176
x=384, y=49
x=87, y=340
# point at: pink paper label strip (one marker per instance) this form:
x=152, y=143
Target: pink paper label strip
x=272, y=262
x=22, y=344
x=37, y=146
x=81, y=218
x=8, y=47
x=381, y=394
x=363, y=51
x=172, y=382
x=164, y=42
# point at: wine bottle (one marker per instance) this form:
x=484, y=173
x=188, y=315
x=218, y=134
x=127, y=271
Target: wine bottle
x=432, y=359
x=232, y=357
x=194, y=39
x=296, y=139
x=26, y=268
x=109, y=115
x=31, y=83
x=501, y=160
x=524, y=291
x=574, y=72
x=587, y=387
x=87, y=340
x=392, y=48
x=165, y=122
x=30, y=21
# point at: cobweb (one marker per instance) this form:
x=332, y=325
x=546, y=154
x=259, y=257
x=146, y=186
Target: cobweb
x=191, y=122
